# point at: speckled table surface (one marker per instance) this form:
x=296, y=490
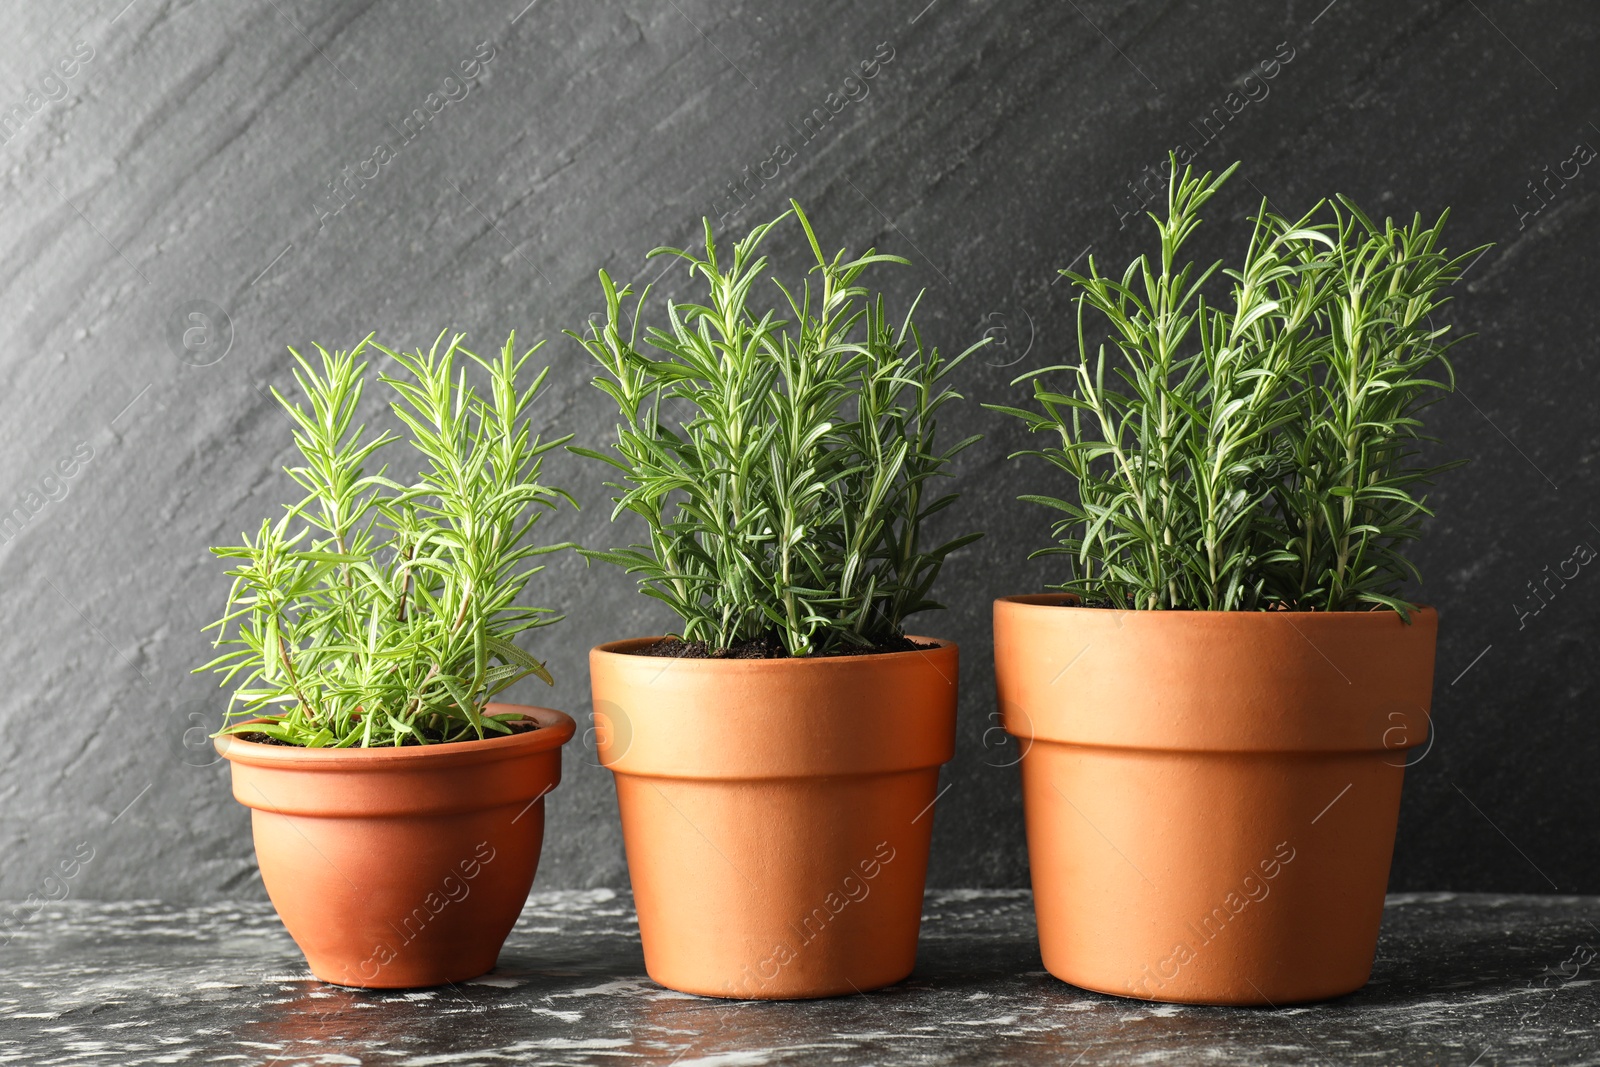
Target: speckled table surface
x=1460, y=979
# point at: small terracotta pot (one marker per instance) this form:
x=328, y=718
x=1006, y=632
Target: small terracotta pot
x=401, y=867
x=1211, y=797
x=776, y=813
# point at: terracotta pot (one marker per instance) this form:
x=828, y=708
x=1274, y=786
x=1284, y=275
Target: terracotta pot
x=1211, y=797
x=401, y=867
x=776, y=813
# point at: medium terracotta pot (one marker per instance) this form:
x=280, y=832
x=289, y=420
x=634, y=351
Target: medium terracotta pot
x=1211, y=797
x=776, y=813
x=401, y=867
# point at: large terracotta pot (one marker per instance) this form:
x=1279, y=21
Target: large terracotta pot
x=776, y=813
x=401, y=867
x=1211, y=797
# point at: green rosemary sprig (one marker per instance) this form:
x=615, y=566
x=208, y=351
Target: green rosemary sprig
x=1258, y=450
x=783, y=467
x=377, y=613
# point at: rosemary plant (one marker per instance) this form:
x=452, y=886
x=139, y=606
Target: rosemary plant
x=375, y=613
x=782, y=466
x=1259, y=451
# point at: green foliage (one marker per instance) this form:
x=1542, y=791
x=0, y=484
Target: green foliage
x=1258, y=452
x=782, y=466
x=375, y=613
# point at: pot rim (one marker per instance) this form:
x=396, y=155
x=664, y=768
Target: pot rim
x=1058, y=600
x=1214, y=681
x=556, y=728
x=620, y=649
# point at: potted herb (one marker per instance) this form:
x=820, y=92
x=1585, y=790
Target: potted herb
x=397, y=808
x=1215, y=709
x=776, y=760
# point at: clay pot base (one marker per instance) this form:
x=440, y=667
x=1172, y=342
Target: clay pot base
x=781, y=890
x=776, y=812
x=1211, y=797
x=1261, y=882
x=401, y=868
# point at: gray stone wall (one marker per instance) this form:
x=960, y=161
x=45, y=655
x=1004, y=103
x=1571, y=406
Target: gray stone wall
x=172, y=219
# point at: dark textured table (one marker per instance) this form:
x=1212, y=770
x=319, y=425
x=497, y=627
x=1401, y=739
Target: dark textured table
x=1488, y=980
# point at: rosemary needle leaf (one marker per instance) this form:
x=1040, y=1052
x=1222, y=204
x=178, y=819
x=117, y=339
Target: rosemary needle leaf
x=782, y=460
x=1255, y=448
x=380, y=613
